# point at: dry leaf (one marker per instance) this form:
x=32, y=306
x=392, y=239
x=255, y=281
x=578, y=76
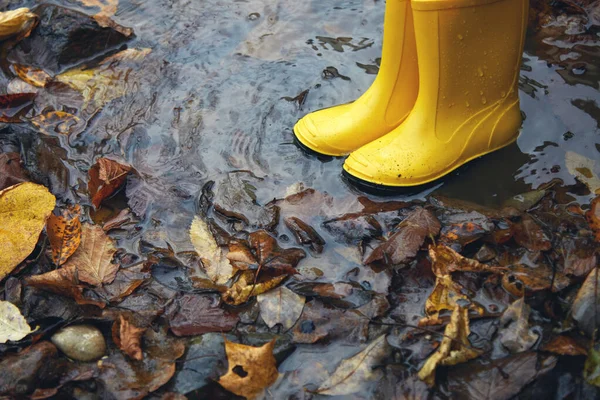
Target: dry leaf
x=13, y=325
x=93, y=258
x=352, y=373
x=106, y=176
x=455, y=347
x=251, y=369
x=244, y=288
x=583, y=169
x=128, y=337
x=280, y=306
x=217, y=266
x=32, y=76
x=64, y=233
x=516, y=336
x=53, y=122
x=17, y=22
x=24, y=209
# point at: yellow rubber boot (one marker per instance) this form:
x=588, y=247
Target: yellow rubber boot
x=468, y=105
x=337, y=131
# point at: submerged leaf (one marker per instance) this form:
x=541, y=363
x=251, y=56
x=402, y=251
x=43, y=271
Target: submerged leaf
x=217, y=266
x=13, y=325
x=32, y=76
x=353, y=372
x=583, y=169
x=280, y=306
x=53, y=122
x=106, y=176
x=17, y=22
x=517, y=336
x=244, y=288
x=64, y=234
x=14, y=106
x=251, y=369
x=24, y=209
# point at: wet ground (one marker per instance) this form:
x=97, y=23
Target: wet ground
x=226, y=80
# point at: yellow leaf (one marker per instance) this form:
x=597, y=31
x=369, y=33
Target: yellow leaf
x=53, y=122
x=107, y=7
x=584, y=169
x=32, y=76
x=281, y=306
x=217, y=266
x=13, y=325
x=455, y=347
x=251, y=369
x=93, y=258
x=24, y=209
x=17, y=22
x=244, y=288
x=64, y=234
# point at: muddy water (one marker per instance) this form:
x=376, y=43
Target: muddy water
x=216, y=95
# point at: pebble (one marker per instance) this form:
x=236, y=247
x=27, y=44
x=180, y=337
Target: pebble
x=80, y=342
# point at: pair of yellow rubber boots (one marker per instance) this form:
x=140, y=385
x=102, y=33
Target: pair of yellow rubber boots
x=446, y=93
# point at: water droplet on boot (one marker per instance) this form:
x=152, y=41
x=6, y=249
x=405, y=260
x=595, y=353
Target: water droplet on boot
x=460, y=37
x=483, y=100
x=480, y=71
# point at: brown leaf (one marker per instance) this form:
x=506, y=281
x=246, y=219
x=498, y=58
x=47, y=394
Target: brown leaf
x=20, y=370
x=305, y=234
x=33, y=76
x=455, y=347
x=93, y=258
x=64, y=233
x=197, y=314
x=14, y=106
x=585, y=309
x=565, y=346
x=128, y=337
x=270, y=256
x=11, y=170
x=445, y=260
x=530, y=235
x=106, y=176
x=593, y=217
x=521, y=280
x=408, y=239
x=251, y=369
x=244, y=288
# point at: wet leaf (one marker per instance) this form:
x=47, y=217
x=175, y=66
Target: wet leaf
x=280, y=306
x=525, y=201
x=244, y=288
x=586, y=307
x=565, y=346
x=521, y=280
x=58, y=122
x=591, y=369
x=251, y=369
x=530, y=235
x=272, y=257
x=105, y=7
x=13, y=325
x=11, y=170
x=584, y=169
x=106, y=176
x=446, y=260
x=455, y=347
x=408, y=239
x=24, y=209
x=353, y=372
x=593, y=217
x=14, y=106
x=516, y=335
x=198, y=314
x=17, y=22
x=93, y=258
x=353, y=228
x=499, y=380
x=128, y=337
x=33, y=76
x=20, y=371
x=216, y=265
x=64, y=233
x=305, y=234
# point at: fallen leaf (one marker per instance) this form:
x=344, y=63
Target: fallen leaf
x=64, y=233
x=593, y=217
x=586, y=307
x=455, y=347
x=530, y=235
x=353, y=228
x=53, y=122
x=565, y=346
x=196, y=314
x=498, y=380
x=11, y=170
x=13, y=325
x=305, y=234
x=17, y=22
x=106, y=176
x=128, y=337
x=24, y=209
x=217, y=266
x=14, y=106
x=244, y=288
x=280, y=306
x=408, y=239
x=21, y=371
x=93, y=258
x=250, y=369
x=591, y=369
x=522, y=280
x=353, y=372
x=445, y=260
x=269, y=256
x=33, y=76
x=583, y=169
x=516, y=335
x=106, y=7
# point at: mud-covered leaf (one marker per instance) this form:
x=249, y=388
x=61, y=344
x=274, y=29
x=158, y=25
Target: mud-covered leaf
x=11, y=170
x=251, y=369
x=217, y=266
x=355, y=371
x=93, y=258
x=584, y=169
x=17, y=22
x=245, y=288
x=593, y=217
x=13, y=325
x=516, y=335
x=455, y=347
x=64, y=233
x=198, y=314
x=408, y=239
x=14, y=106
x=565, y=346
x=105, y=177
x=586, y=307
x=24, y=209
x=280, y=306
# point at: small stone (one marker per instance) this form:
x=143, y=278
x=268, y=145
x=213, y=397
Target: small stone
x=80, y=342
x=485, y=253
